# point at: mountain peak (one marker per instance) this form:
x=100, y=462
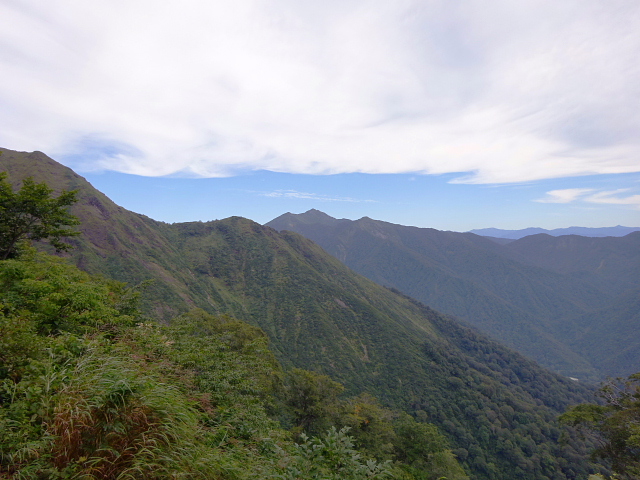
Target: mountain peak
x=288, y=220
x=316, y=215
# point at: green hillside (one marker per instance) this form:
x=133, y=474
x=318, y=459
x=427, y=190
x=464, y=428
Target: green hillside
x=524, y=304
x=114, y=242
x=497, y=408
x=89, y=391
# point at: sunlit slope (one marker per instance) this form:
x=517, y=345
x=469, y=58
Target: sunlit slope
x=114, y=242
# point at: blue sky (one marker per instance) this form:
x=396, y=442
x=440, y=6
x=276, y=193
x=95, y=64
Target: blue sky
x=419, y=200
x=445, y=114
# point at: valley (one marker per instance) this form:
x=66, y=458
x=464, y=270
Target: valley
x=551, y=298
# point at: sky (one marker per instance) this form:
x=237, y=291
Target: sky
x=436, y=113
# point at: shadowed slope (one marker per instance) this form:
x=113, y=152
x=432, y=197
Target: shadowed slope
x=471, y=277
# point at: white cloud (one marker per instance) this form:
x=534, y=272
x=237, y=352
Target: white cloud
x=613, y=197
x=501, y=91
x=566, y=195
x=610, y=197
x=309, y=196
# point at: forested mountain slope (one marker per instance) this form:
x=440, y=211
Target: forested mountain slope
x=114, y=242
x=497, y=408
x=89, y=390
x=610, y=264
x=537, y=294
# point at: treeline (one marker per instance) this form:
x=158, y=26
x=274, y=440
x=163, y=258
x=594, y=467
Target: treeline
x=90, y=389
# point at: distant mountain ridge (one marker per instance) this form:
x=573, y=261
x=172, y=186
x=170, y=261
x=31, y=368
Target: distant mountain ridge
x=617, y=231
x=497, y=408
x=541, y=295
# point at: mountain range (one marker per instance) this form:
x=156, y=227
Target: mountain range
x=551, y=298
x=497, y=408
x=617, y=231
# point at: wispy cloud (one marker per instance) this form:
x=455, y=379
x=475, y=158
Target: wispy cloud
x=496, y=91
x=310, y=196
x=566, y=195
x=610, y=197
x=615, y=197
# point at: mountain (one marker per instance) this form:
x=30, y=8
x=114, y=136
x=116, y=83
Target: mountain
x=610, y=264
x=618, y=231
x=531, y=294
x=609, y=334
x=497, y=408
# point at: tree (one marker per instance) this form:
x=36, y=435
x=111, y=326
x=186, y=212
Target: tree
x=424, y=451
x=312, y=399
x=33, y=214
x=615, y=425
x=371, y=426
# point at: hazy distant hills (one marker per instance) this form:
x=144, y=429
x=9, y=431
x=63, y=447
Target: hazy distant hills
x=498, y=408
x=618, y=231
x=542, y=295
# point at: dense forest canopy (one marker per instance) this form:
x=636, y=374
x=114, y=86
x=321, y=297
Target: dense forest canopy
x=567, y=302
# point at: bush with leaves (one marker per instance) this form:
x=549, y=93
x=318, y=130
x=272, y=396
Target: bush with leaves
x=423, y=452
x=614, y=425
x=76, y=401
x=371, y=426
x=312, y=400
x=54, y=296
x=331, y=456
x=233, y=367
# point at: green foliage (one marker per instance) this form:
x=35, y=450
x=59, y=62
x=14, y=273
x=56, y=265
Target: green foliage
x=52, y=296
x=52, y=317
x=423, y=452
x=312, y=399
x=112, y=419
x=88, y=390
x=104, y=398
x=329, y=457
x=33, y=214
x=417, y=440
x=19, y=343
x=371, y=426
x=27, y=404
x=615, y=425
x=233, y=368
